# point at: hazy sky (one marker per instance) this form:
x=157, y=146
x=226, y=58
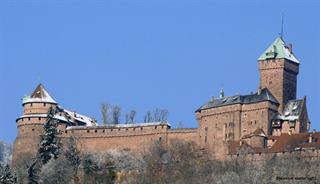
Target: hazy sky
x=144, y=54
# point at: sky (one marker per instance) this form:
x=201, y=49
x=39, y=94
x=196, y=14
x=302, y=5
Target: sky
x=147, y=54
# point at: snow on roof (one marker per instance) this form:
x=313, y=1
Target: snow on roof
x=82, y=118
x=58, y=117
x=66, y=116
x=292, y=110
x=40, y=94
x=125, y=125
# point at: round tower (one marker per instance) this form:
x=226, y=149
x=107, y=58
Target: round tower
x=30, y=124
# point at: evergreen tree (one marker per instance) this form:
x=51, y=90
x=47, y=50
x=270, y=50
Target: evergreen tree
x=33, y=171
x=50, y=143
x=7, y=177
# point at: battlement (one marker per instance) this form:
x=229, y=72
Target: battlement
x=117, y=130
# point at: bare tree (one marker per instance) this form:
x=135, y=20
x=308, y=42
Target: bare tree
x=105, y=108
x=132, y=116
x=116, y=113
x=160, y=115
x=72, y=156
x=176, y=162
x=148, y=117
x=127, y=119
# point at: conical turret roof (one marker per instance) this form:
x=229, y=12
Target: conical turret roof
x=278, y=50
x=40, y=94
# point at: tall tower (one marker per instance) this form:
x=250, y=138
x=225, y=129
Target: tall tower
x=279, y=69
x=30, y=124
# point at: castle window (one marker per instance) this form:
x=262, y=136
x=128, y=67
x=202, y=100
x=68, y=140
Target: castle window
x=205, y=139
x=88, y=131
x=30, y=104
x=230, y=135
x=231, y=124
x=95, y=131
x=103, y=131
x=141, y=128
x=134, y=129
x=33, y=130
x=111, y=130
x=255, y=122
x=29, y=119
x=119, y=129
x=225, y=136
x=66, y=131
x=162, y=126
x=39, y=119
x=126, y=129
x=155, y=127
x=160, y=138
x=44, y=104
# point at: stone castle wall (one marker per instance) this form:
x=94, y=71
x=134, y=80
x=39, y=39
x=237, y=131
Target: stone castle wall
x=98, y=138
x=280, y=77
x=219, y=125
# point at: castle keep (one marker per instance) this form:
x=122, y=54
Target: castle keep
x=272, y=120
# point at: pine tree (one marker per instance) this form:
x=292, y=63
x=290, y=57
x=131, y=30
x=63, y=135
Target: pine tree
x=6, y=176
x=50, y=143
x=33, y=171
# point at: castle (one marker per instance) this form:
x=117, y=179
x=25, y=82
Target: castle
x=272, y=120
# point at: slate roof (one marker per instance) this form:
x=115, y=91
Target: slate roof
x=278, y=49
x=264, y=95
x=292, y=110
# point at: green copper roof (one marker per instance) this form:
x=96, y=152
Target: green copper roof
x=278, y=50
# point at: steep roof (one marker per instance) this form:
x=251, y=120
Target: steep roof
x=40, y=94
x=278, y=50
x=292, y=110
x=264, y=95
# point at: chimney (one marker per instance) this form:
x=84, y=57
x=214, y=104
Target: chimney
x=290, y=47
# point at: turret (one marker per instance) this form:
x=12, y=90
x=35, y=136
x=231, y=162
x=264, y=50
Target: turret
x=30, y=124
